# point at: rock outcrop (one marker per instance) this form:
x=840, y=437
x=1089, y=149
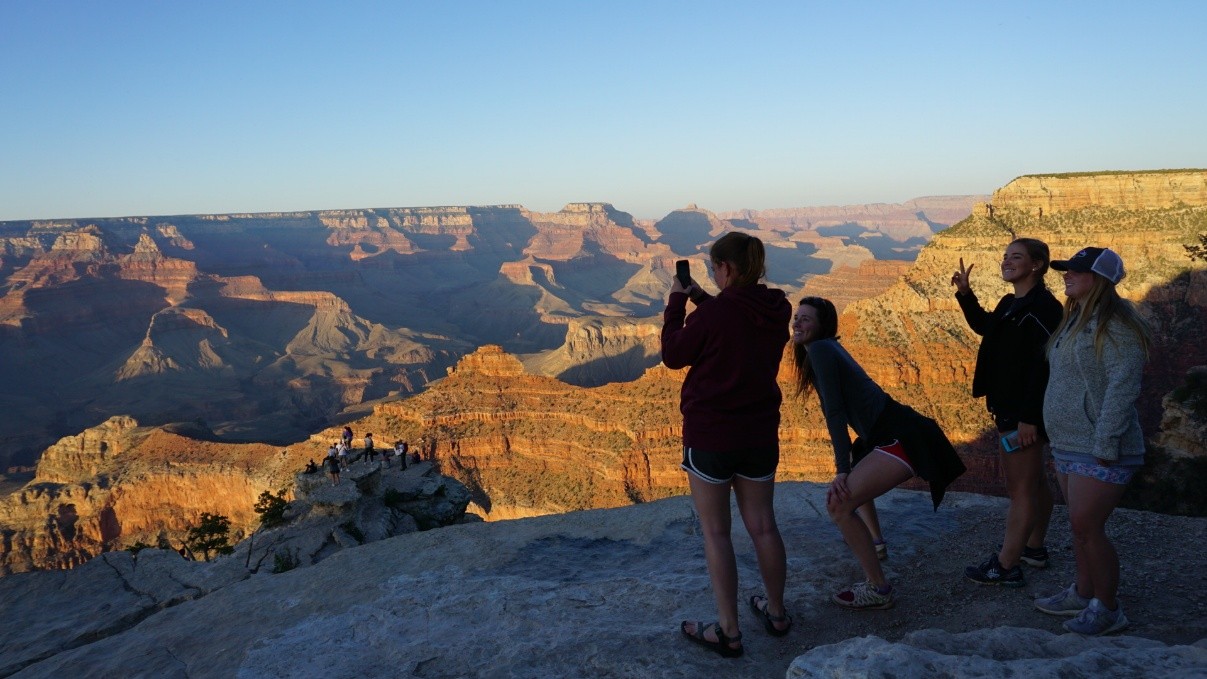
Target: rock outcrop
x=999, y=652
x=1184, y=419
x=600, y=594
x=1134, y=191
x=119, y=484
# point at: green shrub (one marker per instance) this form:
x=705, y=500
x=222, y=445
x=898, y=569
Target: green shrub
x=1199, y=251
x=271, y=508
x=211, y=534
x=138, y=547
x=284, y=561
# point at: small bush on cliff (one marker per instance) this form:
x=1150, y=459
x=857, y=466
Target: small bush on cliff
x=1199, y=251
x=1193, y=393
x=284, y=561
x=211, y=534
x=138, y=547
x=271, y=508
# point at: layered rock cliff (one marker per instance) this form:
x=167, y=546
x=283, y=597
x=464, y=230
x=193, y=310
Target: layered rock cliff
x=1050, y=194
x=270, y=326
x=120, y=483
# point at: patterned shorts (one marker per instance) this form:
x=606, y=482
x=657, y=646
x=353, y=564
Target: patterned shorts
x=1115, y=474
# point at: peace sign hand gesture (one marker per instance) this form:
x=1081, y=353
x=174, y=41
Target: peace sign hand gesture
x=960, y=278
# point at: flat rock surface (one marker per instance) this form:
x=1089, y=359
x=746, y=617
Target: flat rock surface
x=601, y=593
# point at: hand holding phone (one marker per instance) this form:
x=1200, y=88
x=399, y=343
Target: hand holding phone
x=1010, y=441
x=684, y=273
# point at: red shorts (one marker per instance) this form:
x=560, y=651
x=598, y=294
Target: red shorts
x=897, y=452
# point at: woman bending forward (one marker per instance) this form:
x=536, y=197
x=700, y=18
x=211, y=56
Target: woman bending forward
x=895, y=443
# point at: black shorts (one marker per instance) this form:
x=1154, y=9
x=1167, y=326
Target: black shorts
x=756, y=464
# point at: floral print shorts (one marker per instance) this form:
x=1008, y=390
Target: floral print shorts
x=1116, y=474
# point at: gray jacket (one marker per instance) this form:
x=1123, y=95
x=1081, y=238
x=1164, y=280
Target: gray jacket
x=1090, y=403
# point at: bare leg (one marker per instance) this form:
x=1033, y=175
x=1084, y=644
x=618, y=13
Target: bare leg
x=756, y=504
x=1024, y=474
x=1085, y=589
x=1090, y=504
x=1043, y=509
x=712, y=505
x=874, y=476
x=867, y=514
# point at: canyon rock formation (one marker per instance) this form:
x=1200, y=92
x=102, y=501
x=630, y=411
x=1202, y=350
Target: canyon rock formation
x=1142, y=191
x=268, y=327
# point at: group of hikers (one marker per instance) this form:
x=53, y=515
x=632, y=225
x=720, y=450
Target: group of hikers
x=1060, y=376
x=339, y=455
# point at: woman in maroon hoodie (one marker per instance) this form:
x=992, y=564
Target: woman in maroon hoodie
x=731, y=412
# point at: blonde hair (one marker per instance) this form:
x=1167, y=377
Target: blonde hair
x=1104, y=304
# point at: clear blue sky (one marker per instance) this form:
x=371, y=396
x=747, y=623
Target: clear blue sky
x=153, y=108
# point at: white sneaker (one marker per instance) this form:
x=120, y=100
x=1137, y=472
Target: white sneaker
x=1065, y=602
x=1096, y=619
x=863, y=596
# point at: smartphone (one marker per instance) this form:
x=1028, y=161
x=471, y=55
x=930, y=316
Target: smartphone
x=683, y=272
x=1010, y=441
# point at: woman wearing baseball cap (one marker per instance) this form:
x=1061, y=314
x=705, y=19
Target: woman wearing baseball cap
x=1096, y=361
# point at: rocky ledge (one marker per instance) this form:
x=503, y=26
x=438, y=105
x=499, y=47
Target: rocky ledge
x=600, y=593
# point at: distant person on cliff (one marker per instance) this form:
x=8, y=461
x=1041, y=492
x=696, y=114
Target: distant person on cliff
x=341, y=450
x=1012, y=374
x=895, y=443
x=346, y=437
x=731, y=410
x=332, y=466
x=370, y=452
x=400, y=451
x=1096, y=360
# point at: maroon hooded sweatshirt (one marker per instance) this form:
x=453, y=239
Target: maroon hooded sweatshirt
x=733, y=343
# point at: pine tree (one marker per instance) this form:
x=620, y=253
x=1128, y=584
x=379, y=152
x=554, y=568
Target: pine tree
x=211, y=534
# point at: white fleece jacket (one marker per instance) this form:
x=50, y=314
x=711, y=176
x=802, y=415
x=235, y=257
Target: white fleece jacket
x=1090, y=403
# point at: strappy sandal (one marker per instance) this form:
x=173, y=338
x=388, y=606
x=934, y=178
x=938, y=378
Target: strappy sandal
x=768, y=619
x=720, y=646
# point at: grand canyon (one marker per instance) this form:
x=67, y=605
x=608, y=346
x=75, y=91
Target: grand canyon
x=157, y=368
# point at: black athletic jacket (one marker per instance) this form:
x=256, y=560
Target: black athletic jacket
x=1011, y=364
